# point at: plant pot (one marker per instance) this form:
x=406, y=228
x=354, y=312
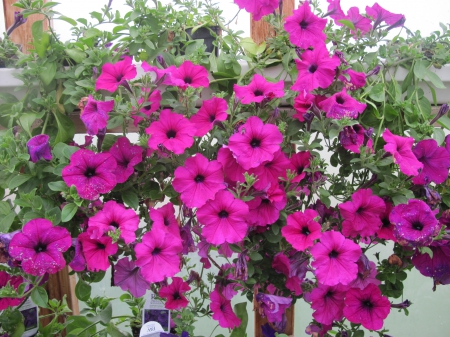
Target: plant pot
x=204, y=33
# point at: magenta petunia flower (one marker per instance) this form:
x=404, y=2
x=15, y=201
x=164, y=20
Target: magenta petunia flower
x=223, y=219
x=97, y=251
x=367, y=272
x=367, y=307
x=127, y=157
x=302, y=103
x=305, y=29
x=258, y=8
x=39, y=148
x=222, y=311
x=91, y=173
x=154, y=102
x=415, y=223
x=328, y=303
x=159, y=73
x=255, y=142
x=128, y=277
x=40, y=247
x=301, y=229
x=211, y=111
x=435, y=160
x=334, y=10
x=386, y=230
x=187, y=75
x=341, y=105
x=362, y=215
x=78, y=262
x=356, y=79
x=438, y=266
x=258, y=90
x=198, y=180
x=173, y=293
x=361, y=23
x=353, y=137
x=15, y=282
x=173, y=131
x=157, y=255
x=164, y=218
x=315, y=69
x=401, y=149
x=232, y=170
x=272, y=307
x=379, y=14
x=300, y=161
x=95, y=115
x=282, y=264
x=114, y=216
x=116, y=74
x=269, y=173
x=335, y=259
x=265, y=210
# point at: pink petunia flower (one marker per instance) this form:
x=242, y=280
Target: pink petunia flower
x=367, y=307
x=259, y=89
x=437, y=266
x=301, y=229
x=334, y=10
x=91, y=173
x=114, y=216
x=415, y=223
x=353, y=137
x=328, y=303
x=223, y=219
x=255, y=142
x=232, y=170
x=187, y=75
x=211, y=111
x=127, y=157
x=173, y=131
x=173, y=293
x=128, y=277
x=315, y=69
x=302, y=103
x=198, y=180
x=258, y=8
x=356, y=79
x=164, y=218
x=305, y=29
x=269, y=173
x=116, y=74
x=157, y=255
x=159, y=73
x=379, y=14
x=361, y=23
x=282, y=264
x=154, y=102
x=15, y=282
x=95, y=115
x=300, y=161
x=435, y=160
x=335, y=259
x=78, y=262
x=401, y=149
x=39, y=148
x=341, y=105
x=40, y=247
x=265, y=210
x=97, y=251
x=362, y=215
x=222, y=311
x=271, y=306
x=386, y=230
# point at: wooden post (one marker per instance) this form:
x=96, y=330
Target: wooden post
x=261, y=30
x=21, y=35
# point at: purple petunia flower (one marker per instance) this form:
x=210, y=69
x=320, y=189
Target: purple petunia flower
x=92, y=174
x=435, y=160
x=39, y=148
x=95, y=115
x=415, y=223
x=40, y=246
x=127, y=157
x=438, y=266
x=272, y=307
x=128, y=277
x=342, y=105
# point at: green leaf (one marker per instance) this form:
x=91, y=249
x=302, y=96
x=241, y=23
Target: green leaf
x=18, y=180
x=359, y=333
x=39, y=297
x=68, y=212
x=76, y=54
x=130, y=198
x=420, y=69
x=249, y=45
x=106, y=314
x=6, y=222
x=240, y=309
x=82, y=290
x=255, y=256
x=438, y=136
x=57, y=186
x=68, y=20
x=77, y=324
x=66, y=128
x=437, y=82
x=348, y=24
x=5, y=208
x=26, y=121
x=37, y=29
x=377, y=93
x=114, y=331
x=49, y=73
x=445, y=122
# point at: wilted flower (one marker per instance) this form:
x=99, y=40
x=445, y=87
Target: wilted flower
x=39, y=148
